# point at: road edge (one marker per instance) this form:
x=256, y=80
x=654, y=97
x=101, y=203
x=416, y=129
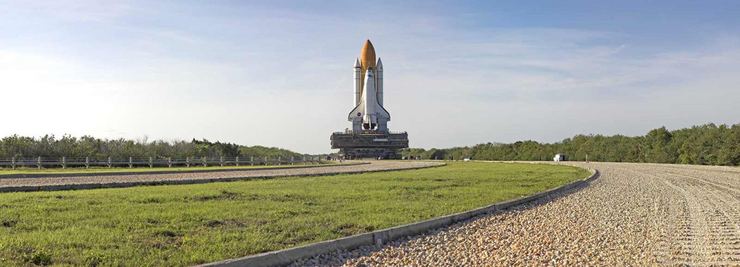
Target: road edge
x=62, y=187
x=82, y=174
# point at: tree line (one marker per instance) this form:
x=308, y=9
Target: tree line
x=88, y=146
x=706, y=144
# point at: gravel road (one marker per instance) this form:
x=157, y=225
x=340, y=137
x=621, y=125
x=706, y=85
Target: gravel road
x=634, y=214
x=34, y=184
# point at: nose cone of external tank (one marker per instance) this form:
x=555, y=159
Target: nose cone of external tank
x=367, y=55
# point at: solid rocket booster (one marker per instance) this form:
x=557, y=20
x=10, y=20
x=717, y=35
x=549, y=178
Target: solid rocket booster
x=380, y=81
x=369, y=113
x=358, y=81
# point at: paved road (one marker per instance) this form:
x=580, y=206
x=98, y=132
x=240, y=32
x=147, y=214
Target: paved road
x=634, y=214
x=35, y=184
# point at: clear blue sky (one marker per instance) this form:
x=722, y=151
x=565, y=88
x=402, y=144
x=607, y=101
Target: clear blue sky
x=279, y=73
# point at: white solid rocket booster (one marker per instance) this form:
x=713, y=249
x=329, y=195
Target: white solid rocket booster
x=358, y=81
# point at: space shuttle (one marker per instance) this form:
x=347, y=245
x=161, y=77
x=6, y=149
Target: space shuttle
x=369, y=113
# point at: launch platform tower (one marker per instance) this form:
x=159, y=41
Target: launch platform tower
x=369, y=136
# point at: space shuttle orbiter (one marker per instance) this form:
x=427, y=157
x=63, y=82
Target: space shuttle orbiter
x=369, y=114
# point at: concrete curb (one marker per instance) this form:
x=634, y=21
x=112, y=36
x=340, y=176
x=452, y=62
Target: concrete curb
x=287, y=256
x=82, y=174
x=32, y=188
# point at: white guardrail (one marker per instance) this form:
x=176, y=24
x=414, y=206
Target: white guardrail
x=151, y=162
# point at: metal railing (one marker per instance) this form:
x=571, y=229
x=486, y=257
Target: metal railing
x=366, y=132
x=151, y=162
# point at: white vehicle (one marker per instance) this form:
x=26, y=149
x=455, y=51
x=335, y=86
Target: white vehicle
x=559, y=157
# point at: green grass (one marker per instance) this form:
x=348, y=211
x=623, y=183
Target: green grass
x=5, y=172
x=190, y=224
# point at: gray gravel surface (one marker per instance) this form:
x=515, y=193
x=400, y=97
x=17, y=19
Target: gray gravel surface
x=634, y=214
x=246, y=173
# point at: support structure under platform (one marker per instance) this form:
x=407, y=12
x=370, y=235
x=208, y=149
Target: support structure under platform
x=369, y=144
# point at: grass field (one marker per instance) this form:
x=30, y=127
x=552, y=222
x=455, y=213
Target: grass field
x=190, y=224
x=6, y=172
